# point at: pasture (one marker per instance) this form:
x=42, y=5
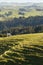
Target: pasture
x=25, y=49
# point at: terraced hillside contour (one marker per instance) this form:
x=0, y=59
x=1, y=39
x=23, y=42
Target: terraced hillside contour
x=25, y=49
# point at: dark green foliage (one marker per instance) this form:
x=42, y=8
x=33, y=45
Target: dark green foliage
x=3, y=35
x=22, y=25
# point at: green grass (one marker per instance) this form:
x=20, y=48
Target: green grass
x=25, y=49
x=15, y=13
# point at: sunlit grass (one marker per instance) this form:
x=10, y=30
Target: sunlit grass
x=15, y=14
x=18, y=48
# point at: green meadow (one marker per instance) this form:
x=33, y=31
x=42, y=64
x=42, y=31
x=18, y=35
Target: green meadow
x=8, y=14
x=24, y=49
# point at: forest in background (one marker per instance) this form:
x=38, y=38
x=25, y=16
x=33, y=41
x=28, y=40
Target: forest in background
x=22, y=25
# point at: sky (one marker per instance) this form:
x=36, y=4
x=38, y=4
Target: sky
x=21, y=1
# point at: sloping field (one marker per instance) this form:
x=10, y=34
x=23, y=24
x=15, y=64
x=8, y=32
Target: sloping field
x=24, y=49
x=6, y=15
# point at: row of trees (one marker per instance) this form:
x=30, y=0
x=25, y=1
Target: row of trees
x=22, y=25
x=23, y=30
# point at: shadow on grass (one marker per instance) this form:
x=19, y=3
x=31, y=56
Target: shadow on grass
x=6, y=45
x=32, y=55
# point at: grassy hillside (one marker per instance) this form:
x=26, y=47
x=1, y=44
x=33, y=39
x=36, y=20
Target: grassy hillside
x=8, y=14
x=24, y=49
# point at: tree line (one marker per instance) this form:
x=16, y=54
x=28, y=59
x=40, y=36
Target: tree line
x=22, y=25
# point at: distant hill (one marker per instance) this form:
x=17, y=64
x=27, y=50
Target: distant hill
x=11, y=10
x=21, y=15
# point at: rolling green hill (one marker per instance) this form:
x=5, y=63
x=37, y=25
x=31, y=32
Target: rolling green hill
x=9, y=14
x=12, y=10
x=22, y=49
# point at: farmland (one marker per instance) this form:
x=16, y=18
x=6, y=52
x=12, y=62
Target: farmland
x=8, y=14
